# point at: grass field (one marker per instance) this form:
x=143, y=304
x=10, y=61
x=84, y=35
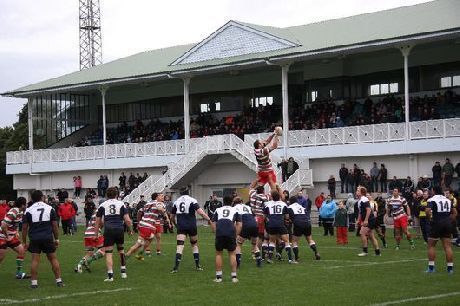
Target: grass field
x=339, y=278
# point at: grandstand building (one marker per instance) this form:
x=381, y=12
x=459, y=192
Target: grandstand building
x=188, y=115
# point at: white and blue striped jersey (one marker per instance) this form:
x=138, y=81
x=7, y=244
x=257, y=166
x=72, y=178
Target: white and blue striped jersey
x=184, y=208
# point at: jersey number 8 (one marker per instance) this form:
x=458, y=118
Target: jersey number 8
x=112, y=209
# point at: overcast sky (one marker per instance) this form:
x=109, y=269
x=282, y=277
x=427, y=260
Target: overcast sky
x=39, y=38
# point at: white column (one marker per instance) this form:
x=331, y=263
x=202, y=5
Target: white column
x=405, y=50
x=187, y=113
x=103, y=90
x=285, y=96
x=30, y=129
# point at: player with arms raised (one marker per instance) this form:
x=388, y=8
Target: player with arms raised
x=262, y=149
x=184, y=209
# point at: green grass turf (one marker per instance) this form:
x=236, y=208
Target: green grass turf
x=339, y=278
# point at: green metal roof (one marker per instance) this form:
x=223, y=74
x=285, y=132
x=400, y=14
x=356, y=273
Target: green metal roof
x=409, y=21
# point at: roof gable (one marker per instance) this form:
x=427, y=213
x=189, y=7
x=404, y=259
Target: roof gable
x=233, y=39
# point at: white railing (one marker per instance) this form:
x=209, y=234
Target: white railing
x=199, y=148
x=385, y=132
x=300, y=178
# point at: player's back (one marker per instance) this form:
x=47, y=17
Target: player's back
x=247, y=218
x=257, y=201
x=39, y=217
x=441, y=208
x=225, y=217
x=113, y=212
x=275, y=210
x=298, y=214
x=184, y=208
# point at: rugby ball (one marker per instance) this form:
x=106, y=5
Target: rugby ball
x=279, y=131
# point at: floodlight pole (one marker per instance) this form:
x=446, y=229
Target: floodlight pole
x=30, y=130
x=103, y=90
x=187, y=112
x=285, y=97
x=405, y=50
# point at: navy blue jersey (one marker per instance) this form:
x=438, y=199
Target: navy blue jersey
x=364, y=203
x=39, y=217
x=441, y=208
x=113, y=212
x=246, y=215
x=184, y=208
x=275, y=211
x=225, y=218
x=298, y=214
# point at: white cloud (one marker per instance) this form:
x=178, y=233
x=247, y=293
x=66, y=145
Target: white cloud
x=39, y=39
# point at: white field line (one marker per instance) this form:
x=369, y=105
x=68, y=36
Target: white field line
x=420, y=298
x=375, y=263
x=60, y=296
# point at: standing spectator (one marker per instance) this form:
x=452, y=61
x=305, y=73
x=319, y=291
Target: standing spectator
x=383, y=178
x=340, y=221
x=100, y=183
x=350, y=205
x=437, y=174
x=89, y=209
x=63, y=195
x=375, y=172
x=426, y=183
x=343, y=173
x=77, y=186
x=305, y=202
x=448, y=173
x=54, y=203
x=291, y=167
x=212, y=205
x=350, y=181
x=407, y=193
x=122, y=181
x=457, y=169
x=131, y=181
x=91, y=192
x=74, y=218
x=146, y=176
x=3, y=209
x=318, y=202
x=424, y=222
x=283, y=166
x=394, y=183
x=66, y=212
x=331, y=186
x=138, y=180
x=39, y=223
x=105, y=185
x=327, y=213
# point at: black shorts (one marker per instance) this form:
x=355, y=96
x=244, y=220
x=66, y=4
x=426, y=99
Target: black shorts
x=227, y=243
x=187, y=231
x=38, y=246
x=281, y=230
x=112, y=237
x=372, y=224
x=441, y=230
x=249, y=232
x=302, y=230
x=289, y=228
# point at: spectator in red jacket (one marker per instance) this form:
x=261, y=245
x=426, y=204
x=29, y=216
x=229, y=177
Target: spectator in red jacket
x=3, y=209
x=66, y=212
x=318, y=202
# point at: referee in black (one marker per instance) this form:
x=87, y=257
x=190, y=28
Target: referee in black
x=40, y=224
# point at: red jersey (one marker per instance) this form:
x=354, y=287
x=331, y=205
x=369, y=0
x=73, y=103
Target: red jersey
x=3, y=210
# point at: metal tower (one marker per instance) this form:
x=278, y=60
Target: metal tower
x=90, y=34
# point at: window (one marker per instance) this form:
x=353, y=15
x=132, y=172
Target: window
x=264, y=101
x=210, y=107
x=204, y=108
x=383, y=89
x=450, y=81
x=314, y=95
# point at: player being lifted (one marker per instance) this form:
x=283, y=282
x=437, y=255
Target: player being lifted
x=258, y=198
x=9, y=237
x=226, y=223
x=262, y=149
x=300, y=217
x=184, y=209
x=115, y=217
x=249, y=231
x=93, y=245
x=276, y=212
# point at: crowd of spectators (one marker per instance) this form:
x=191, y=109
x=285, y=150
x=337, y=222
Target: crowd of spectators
x=318, y=115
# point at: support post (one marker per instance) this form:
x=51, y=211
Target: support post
x=405, y=50
x=285, y=97
x=30, y=131
x=187, y=113
x=103, y=90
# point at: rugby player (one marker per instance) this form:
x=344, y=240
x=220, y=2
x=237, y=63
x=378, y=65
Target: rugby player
x=226, y=223
x=258, y=198
x=115, y=217
x=249, y=231
x=441, y=212
x=93, y=246
x=400, y=211
x=367, y=220
x=9, y=237
x=184, y=209
x=262, y=149
x=300, y=218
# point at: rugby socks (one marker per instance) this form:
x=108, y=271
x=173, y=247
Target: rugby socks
x=365, y=250
x=377, y=252
x=96, y=256
x=233, y=275
x=34, y=282
x=296, y=252
x=238, y=260
x=264, y=249
x=122, y=260
x=178, y=259
x=279, y=248
x=109, y=273
x=450, y=267
x=271, y=249
x=288, y=251
x=196, y=256
x=258, y=258
x=218, y=274
x=313, y=247
x=147, y=253
x=430, y=266
x=19, y=263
